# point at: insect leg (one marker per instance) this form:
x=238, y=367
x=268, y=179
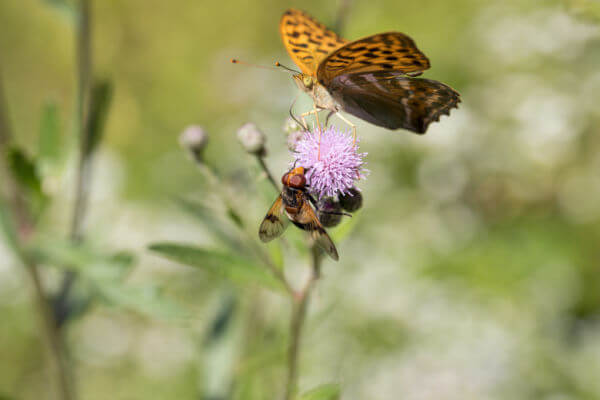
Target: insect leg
x=306, y=114
x=328, y=116
x=316, y=205
x=303, y=123
x=351, y=125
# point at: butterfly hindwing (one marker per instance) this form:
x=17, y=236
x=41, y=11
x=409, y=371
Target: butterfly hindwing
x=393, y=100
x=274, y=222
x=390, y=51
x=307, y=41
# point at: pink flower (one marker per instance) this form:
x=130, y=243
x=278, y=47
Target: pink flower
x=334, y=168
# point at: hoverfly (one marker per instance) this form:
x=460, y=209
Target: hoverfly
x=294, y=201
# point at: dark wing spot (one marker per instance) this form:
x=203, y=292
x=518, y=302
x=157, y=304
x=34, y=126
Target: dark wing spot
x=294, y=34
x=272, y=218
x=391, y=58
x=370, y=55
x=387, y=52
x=386, y=66
x=345, y=57
x=360, y=48
x=322, y=51
x=366, y=62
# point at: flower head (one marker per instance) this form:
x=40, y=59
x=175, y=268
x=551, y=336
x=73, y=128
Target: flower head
x=252, y=139
x=332, y=167
x=194, y=139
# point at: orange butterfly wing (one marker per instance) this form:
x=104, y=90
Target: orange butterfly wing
x=390, y=51
x=307, y=41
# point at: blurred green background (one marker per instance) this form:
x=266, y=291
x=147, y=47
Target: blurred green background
x=472, y=271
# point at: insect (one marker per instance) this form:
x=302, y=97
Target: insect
x=371, y=78
x=295, y=201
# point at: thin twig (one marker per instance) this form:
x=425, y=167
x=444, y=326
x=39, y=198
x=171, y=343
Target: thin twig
x=341, y=16
x=83, y=179
x=297, y=322
x=263, y=165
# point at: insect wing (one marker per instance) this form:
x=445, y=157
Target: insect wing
x=390, y=51
x=274, y=222
x=306, y=40
x=393, y=100
x=311, y=223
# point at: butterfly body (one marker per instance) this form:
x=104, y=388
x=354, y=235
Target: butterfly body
x=294, y=202
x=320, y=95
x=373, y=78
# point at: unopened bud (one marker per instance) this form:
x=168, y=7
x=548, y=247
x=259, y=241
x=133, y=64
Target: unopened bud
x=329, y=212
x=194, y=139
x=352, y=200
x=252, y=139
x=293, y=139
x=291, y=126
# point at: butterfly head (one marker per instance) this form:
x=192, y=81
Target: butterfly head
x=305, y=82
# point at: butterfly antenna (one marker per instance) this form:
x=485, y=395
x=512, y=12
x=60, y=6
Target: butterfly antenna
x=278, y=64
x=236, y=61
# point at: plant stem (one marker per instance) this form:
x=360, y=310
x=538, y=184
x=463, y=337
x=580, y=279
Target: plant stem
x=213, y=181
x=263, y=165
x=83, y=179
x=298, y=318
x=20, y=231
x=53, y=338
x=342, y=14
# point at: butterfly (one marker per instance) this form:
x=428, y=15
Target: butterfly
x=293, y=204
x=373, y=78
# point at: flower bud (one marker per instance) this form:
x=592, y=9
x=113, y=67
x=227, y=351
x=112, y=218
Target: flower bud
x=352, y=200
x=252, y=139
x=194, y=139
x=326, y=206
x=293, y=139
x=291, y=126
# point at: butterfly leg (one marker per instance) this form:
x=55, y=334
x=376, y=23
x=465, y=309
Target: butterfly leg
x=314, y=111
x=351, y=125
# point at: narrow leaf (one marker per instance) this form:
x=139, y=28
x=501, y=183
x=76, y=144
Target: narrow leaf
x=64, y=7
x=25, y=174
x=211, y=221
x=49, y=144
x=100, y=98
x=229, y=266
x=328, y=391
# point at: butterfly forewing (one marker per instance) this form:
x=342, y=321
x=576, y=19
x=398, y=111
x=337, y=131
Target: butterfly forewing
x=391, y=51
x=393, y=100
x=307, y=41
x=274, y=222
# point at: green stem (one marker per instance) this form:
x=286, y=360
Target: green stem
x=298, y=318
x=19, y=228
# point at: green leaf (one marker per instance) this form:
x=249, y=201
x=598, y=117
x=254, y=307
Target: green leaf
x=64, y=7
x=229, y=266
x=82, y=259
x=49, y=144
x=208, y=218
x=25, y=174
x=100, y=98
x=7, y=225
x=328, y=391
x=147, y=300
